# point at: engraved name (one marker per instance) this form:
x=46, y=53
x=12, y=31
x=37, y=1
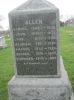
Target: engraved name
x=33, y=22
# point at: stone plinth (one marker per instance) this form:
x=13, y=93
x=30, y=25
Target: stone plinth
x=41, y=88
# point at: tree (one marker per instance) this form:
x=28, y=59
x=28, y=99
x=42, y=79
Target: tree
x=61, y=23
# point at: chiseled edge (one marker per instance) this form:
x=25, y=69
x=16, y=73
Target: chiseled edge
x=58, y=42
x=13, y=49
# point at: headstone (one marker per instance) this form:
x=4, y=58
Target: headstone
x=2, y=41
x=36, y=39
x=39, y=72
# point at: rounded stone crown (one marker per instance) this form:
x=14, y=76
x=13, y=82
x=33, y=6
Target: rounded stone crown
x=36, y=4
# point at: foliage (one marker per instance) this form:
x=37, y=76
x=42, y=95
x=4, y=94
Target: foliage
x=61, y=23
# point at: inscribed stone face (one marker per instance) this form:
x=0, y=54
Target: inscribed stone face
x=35, y=43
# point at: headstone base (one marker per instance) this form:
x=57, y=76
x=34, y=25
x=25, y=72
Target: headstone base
x=41, y=88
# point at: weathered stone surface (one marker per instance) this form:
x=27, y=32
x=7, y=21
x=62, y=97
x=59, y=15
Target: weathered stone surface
x=36, y=4
x=35, y=34
x=41, y=88
x=34, y=28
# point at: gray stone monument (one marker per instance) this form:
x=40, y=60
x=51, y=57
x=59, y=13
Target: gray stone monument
x=39, y=69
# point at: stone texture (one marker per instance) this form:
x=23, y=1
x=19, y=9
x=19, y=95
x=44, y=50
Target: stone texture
x=36, y=4
x=34, y=28
x=41, y=88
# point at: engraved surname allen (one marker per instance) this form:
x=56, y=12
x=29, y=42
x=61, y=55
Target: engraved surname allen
x=33, y=22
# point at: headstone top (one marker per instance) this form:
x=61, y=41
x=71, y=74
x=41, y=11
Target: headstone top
x=36, y=4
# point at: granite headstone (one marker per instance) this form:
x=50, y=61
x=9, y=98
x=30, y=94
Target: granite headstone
x=35, y=34
x=35, y=39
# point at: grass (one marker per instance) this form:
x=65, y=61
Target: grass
x=6, y=69
x=67, y=52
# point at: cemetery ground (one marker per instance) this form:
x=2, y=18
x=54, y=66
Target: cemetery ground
x=67, y=52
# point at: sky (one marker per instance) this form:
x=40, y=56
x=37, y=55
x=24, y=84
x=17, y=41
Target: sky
x=66, y=8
